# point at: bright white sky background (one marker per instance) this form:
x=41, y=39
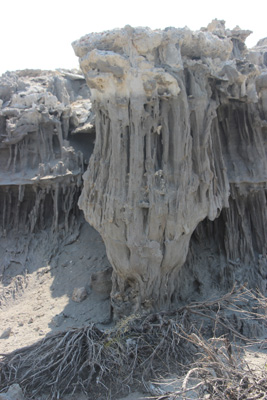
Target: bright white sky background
x=38, y=33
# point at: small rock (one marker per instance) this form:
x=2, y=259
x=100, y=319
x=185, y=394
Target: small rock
x=79, y=294
x=57, y=320
x=30, y=321
x=14, y=393
x=6, y=333
x=101, y=282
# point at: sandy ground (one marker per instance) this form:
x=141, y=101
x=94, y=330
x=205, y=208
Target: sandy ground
x=36, y=290
x=37, y=299
x=37, y=284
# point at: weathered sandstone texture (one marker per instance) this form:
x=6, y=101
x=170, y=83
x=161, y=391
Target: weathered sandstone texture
x=46, y=138
x=181, y=123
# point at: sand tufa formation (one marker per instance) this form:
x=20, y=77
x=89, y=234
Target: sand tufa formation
x=180, y=126
x=176, y=182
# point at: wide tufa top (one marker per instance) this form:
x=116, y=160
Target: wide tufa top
x=213, y=41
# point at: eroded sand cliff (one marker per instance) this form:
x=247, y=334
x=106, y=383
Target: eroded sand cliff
x=175, y=128
x=179, y=160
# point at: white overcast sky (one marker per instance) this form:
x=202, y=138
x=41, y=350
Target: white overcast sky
x=38, y=33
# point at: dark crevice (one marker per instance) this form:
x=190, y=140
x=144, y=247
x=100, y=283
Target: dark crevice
x=128, y=145
x=83, y=142
x=145, y=154
x=159, y=150
x=187, y=78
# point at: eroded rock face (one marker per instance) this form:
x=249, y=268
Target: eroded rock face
x=180, y=124
x=46, y=138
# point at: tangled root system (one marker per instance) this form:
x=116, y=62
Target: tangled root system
x=198, y=340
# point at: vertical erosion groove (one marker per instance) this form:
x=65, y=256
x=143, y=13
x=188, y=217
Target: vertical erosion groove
x=46, y=139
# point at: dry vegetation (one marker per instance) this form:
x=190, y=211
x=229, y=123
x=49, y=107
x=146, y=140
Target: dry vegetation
x=200, y=341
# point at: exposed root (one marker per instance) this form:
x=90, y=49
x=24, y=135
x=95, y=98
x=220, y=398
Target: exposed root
x=139, y=349
x=219, y=374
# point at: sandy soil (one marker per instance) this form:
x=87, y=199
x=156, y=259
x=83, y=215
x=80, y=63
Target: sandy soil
x=36, y=299
x=37, y=284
